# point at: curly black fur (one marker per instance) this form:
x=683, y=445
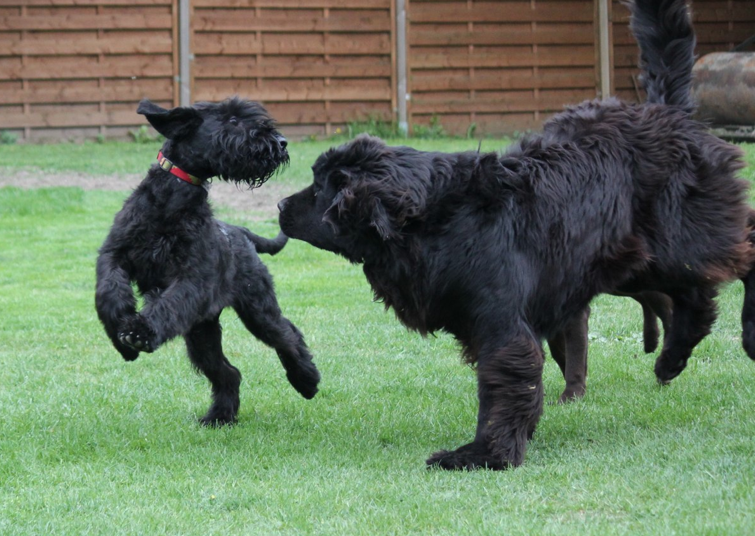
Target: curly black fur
x=190, y=266
x=503, y=250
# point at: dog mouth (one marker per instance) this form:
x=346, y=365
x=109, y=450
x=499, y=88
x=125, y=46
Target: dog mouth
x=250, y=160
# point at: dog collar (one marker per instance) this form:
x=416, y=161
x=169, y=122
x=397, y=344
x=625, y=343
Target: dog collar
x=168, y=166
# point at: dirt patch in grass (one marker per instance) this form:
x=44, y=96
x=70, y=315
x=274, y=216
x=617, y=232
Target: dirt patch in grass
x=258, y=204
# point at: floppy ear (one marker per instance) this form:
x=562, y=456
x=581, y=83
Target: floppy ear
x=375, y=214
x=332, y=213
x=174, y=123
x=380, y=220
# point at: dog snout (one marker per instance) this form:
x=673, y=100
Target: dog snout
x=283, y=142
x=282, y=204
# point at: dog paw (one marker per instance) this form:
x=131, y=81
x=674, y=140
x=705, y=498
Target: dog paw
x=136, y=341
x=571, y=394
x=469, y=457
x=666, y=369
x=216, y=418
x=136, y=335
x=305, y=381
x=128, y=354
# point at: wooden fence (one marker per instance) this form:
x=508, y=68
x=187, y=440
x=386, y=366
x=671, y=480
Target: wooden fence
x=316, y=64
x=499, y=66
x=77, y=68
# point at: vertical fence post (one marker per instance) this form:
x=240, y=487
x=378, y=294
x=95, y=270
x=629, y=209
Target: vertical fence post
x=184, y=54
x=401, y=98
x=604, y=49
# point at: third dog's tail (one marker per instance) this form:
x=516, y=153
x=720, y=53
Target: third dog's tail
x=266, y=245
x=663, y=29
x=748, y=308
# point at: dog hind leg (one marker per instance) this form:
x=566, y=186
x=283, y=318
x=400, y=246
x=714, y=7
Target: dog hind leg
x=204, y=345
x=510, y=392
x=264, y=320
x=569, y=349
x=655, y=305
x=694, y=312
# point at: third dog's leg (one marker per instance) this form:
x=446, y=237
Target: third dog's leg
x=655, y=305
x=203, y=343
x=569, y=349
x=694, y=312
x=264, y=320
x=510, y=391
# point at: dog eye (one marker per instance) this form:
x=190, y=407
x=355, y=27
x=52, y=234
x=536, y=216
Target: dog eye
x=233, y=121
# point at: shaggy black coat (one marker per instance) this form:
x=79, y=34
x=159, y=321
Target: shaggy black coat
x=189, y=266
x=503, y=251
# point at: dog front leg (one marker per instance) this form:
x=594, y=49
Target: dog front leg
x=510, y=392
x=114, y=301
x=173, y=312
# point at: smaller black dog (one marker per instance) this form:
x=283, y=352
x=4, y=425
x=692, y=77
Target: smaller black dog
x=190, y=266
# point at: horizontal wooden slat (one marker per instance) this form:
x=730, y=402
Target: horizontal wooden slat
x=72, y=94
x=284, y=21
x=147, y=44
x=292, y=4
x=518, y=81
x=86, y=22
x=85, y=2
x=221, y=90
x=578, y=55
x=505, y=12
x=69, y=119
x=296, y=114
x=718, y=33
x=240, y=67
x=337, y=44
x=74, y=68
x=513, y=102
x=539, y=36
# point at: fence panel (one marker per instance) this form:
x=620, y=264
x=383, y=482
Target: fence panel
x=315, y=64
x=500, y=65
x=80, y=66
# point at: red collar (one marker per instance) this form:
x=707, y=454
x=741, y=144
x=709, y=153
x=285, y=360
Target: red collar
x=168, y=166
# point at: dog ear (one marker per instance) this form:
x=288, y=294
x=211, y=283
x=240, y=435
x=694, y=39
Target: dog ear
x=332, y=213
x=174, y=123
x=381, y=221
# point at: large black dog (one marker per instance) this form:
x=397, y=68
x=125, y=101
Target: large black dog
x=503, y=250
x=190, y=266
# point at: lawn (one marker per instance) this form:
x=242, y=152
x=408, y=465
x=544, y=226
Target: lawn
x=90, y=444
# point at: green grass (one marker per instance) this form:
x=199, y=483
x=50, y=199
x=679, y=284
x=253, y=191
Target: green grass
x=91, y=444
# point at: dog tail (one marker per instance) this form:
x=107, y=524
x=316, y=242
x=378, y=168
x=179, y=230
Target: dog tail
x=266, y=245
x=748, y=308
x=663, y=29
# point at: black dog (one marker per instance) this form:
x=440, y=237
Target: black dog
x=502, y=251
x=190, y=266
x=569, y=346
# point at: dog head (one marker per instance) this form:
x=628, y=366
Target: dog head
x=235, y=140
x=364, y=195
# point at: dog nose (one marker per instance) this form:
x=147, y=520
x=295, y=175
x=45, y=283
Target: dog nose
x=283, y=142
x=282, y=204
